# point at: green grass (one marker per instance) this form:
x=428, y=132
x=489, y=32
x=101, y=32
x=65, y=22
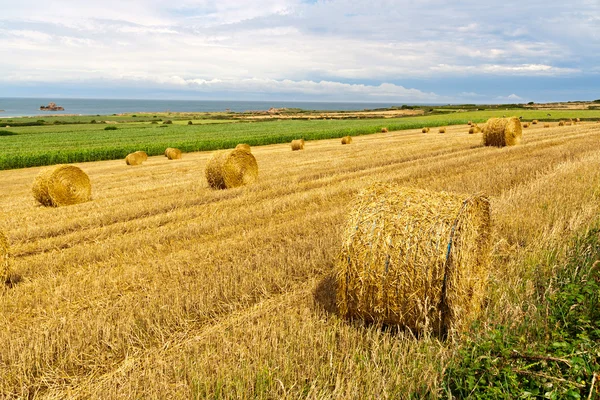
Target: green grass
x=553, y=355
x=76, y=142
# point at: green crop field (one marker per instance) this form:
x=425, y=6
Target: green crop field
x=75, y=141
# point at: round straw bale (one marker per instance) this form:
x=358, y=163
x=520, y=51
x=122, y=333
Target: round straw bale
x=414, y=258
x=471, y=130
x=526, y=125
x=62, y=185
x=425, y=130
x=174, y=154
x=230, y=169
x=470, y=122
x=561, y=123
x=298, y=144
x=577, y=119
x=134, y=159
x=534, y=122
x=546, y=125
x=346, y=140
x=4, y=252
x=502, y=132
x=442, y=130
x=384, y=130
x=142, y=154
x=167, y=151
x=244, y=146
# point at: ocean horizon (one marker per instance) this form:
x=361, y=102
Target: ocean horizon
x=29, y=107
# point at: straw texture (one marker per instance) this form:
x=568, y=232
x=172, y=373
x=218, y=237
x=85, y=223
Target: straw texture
x=142, y=154
x=298, y=144
x=134, y=159
x=502, y=132
x=230, y=169
x=414, y=258
x=4, y=252
x=244, y=147
x=346, y=140
x=173, y=154
x=62, y=185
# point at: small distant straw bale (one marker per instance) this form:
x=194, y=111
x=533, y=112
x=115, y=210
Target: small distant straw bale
x=230, y=169
x=244, y=147
x=298, y=144
x=425, y=130
x=62, y=185
x=546, y=125
x=134, y=159
x=534, y=122
x=442, y=130
x=502, y=132
x=561, y=123
x=470, y=123
x=4, y=261
x=174, y=154
x=346, y=140
x=526, y=125
x=577, y=119
x=568, y=123
x=384, y=130
x=414, y=258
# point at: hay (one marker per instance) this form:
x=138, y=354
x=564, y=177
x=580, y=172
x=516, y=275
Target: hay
x=4, y=263
x=414, y=258
x=526, y=125
x=471, y=131
x=173, y=154
x=442, y=130
x=384, y=130
x=561, y=123
x=62, y=185
x=502, y=132
x=229, y=169
x=244, y=147
x=577, y=119
x=346, y=140
x=134, y=159
x=534, y=122
x=546, y=125
x=142, y=154
x=298, y=144
x=568, y=123
x=470, y=123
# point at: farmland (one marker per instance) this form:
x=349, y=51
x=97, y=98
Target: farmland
x=76, y=141
x=162, y=288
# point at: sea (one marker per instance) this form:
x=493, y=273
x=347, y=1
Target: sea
x=26, y=107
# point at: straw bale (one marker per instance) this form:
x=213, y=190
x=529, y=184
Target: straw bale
x=174, y=154
x=4, y=262
x=346, y=140
x=546, y=125
x=561, y=123
x=470, y=123
x=502, y=132
x=142, y=154
x=568, y=123
x=62, y=185
x=471, y=130
x=442, y=130
x=425, y=130
x=384, y=130
x=526, y=125
x=414, y=258
x=577, y=119
x=244, y=146
x=134, y=159
x=298, y=144
x=230, y=169
x=534, y=122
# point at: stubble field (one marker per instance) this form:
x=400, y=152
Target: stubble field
x=161, y=287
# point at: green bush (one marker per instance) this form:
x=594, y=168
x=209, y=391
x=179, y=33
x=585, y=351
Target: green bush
x=190, y=123
x=93, y=121
x=168, y=122
x=6, y=133
x=110, y=128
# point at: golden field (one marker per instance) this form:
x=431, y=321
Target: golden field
x=162, y=287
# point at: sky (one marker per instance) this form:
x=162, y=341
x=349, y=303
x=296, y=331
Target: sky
x=426, y=51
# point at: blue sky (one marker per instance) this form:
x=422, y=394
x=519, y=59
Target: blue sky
x=427, y=51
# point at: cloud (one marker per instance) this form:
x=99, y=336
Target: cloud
x=345, y=42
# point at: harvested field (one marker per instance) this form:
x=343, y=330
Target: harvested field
x=161, y=287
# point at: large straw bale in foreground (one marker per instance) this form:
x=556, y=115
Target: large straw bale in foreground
x=173, y=154
x=346, y=140
x=298, y=144
x=230, y=169
x=502, y=132
x=414, y=258
x=4, y=250
x=244, y=146
x=134, y=159
x=62, y=185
